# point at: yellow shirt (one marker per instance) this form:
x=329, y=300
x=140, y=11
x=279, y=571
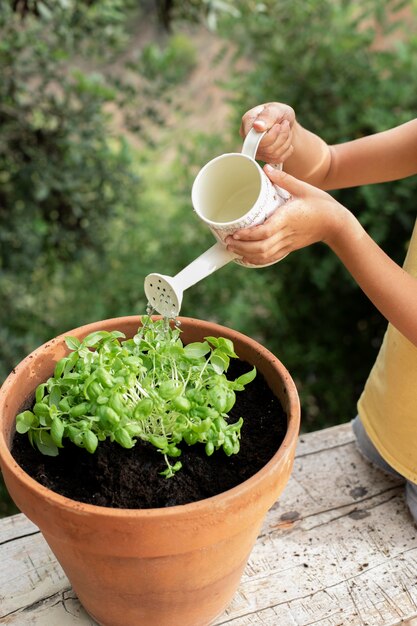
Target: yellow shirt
x=388, y=404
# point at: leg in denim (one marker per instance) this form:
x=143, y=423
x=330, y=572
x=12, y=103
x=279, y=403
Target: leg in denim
x=369, y=451
x=411, y=497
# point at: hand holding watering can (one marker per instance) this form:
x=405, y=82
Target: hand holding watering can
x=229, y=193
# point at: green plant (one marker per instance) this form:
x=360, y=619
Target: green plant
x=150, y=387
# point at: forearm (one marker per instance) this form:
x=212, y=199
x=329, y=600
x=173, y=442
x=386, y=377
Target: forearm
x=391, y=289
x=385, y=156
x=311, y=158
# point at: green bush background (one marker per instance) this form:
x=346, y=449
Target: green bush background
x=86, y=211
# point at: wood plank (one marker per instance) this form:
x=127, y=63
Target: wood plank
x=15, y=526
x=338, y=549
x=60, y=609
x=29, y=573
x=315, y=442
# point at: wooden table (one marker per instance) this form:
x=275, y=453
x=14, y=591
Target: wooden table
x=338, y=549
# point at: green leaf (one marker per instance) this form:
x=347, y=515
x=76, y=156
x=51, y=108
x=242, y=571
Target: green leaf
x=41, y=409
x=190, y=437
x=79, y=409
x=218, y=398
x=109, y=415
x=181, y=403
x=209, y=448
x=244, y=379
x=55, y=396
x=134, y=430
x=122, y=437
x=40, y=392
x=90, y=441
x=73, y=343
x=228, y=447
x=94, y=338
x=92, y=389
x=227, y=347
x=158, y=441
x=171, y=470
x=57, y=431
x=173, y=451
x=59, y=367
x=230, y=402
x=220, y=361
x=64, y=405
x=213, y=340
x=72, y=432
x=71, y=361
x=104, y=377
x=196, y=349
x=24, y=421
x=170, y=389
x=143, y=408
x=117, y=403
x=44, y=443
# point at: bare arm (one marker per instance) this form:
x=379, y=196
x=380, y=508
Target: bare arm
x=381, y=157
x=389, y=155
x=314, y=216
x=391, y=289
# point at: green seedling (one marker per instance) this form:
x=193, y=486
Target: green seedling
x=150, y=387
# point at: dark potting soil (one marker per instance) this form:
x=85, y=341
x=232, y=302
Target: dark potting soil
x=116, y=477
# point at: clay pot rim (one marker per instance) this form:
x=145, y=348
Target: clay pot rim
x=221, y=500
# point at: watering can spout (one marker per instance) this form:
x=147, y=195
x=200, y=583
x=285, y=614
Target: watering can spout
x=164, y=293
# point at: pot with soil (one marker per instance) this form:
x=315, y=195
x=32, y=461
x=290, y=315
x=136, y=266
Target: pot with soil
x=139, y=547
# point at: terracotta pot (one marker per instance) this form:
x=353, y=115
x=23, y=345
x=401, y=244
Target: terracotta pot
x=175, y=566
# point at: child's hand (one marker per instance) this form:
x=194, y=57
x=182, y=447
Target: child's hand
x=276, y=118
x=310, y=216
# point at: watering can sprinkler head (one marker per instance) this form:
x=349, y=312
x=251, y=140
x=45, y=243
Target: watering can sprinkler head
x=163, y=294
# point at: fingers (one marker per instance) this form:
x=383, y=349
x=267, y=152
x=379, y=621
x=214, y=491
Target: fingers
x=276, y=143
x=277, y=120
x=284, y=180
x=249, y=119
x=256, y=234
x=261, y=252
x=266, y=259
x=280, y=138
x=287, y=153
x=265, y=116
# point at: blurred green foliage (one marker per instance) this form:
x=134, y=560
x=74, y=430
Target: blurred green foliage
x=172, y=62
x=61, y=177
x=86, y=214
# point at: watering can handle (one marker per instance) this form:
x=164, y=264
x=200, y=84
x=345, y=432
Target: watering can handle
x=251, y=143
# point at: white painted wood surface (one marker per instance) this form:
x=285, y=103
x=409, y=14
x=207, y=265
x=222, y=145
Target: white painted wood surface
x=338, y=549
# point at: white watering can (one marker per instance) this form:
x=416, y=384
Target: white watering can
x=229, y=193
